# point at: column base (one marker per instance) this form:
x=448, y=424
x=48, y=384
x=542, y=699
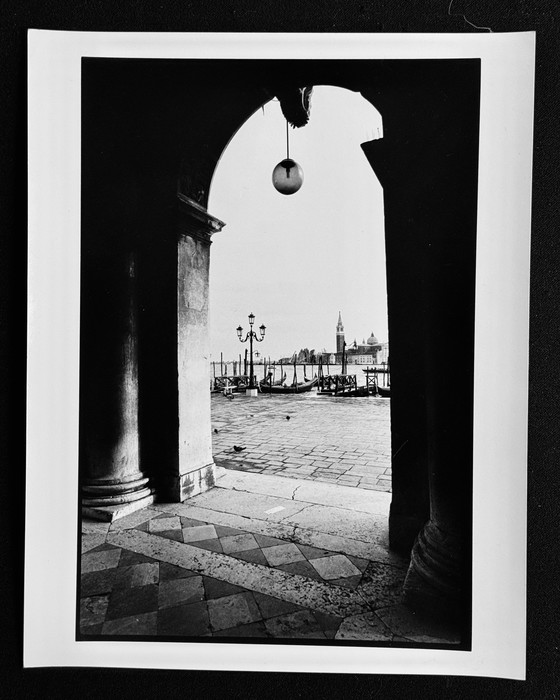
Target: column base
x=110, y=499
x=114, y=492
x=114, y=512
x=434, y=583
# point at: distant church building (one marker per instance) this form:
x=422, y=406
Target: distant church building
x=339, y=336
x=368, y=352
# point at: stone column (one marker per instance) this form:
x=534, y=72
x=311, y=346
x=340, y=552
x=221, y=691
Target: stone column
x=196, y=463
x=427, y=164
x=439, y=575
x=111, y=481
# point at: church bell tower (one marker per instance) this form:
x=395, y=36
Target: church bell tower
x=339, y=335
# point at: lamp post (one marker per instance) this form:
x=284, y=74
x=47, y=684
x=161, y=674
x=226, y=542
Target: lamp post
x=251, y=335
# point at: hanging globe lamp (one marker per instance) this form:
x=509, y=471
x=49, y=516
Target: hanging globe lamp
x=287, y=176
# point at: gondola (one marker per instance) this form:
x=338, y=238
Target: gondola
x=268, y=381
x=297, y=388
x=384, y=391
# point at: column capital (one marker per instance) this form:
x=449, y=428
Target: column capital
x=195, y=221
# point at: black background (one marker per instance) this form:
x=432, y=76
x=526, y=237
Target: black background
x=542, y=16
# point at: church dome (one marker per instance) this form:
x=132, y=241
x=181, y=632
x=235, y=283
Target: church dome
x=372, y=340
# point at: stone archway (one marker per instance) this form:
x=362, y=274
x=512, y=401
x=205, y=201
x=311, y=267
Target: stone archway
x=143, y=409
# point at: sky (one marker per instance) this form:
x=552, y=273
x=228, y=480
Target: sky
x=296, y=260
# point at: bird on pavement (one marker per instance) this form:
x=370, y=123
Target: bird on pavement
x=238, y=449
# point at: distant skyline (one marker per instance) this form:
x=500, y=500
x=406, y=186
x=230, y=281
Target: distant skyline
x=296, y=261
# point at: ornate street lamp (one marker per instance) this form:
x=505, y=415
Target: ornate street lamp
x=251, y=335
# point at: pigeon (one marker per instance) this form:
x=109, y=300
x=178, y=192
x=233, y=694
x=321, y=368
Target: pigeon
x=287, y=417
x=238, y=449
x=215, y=430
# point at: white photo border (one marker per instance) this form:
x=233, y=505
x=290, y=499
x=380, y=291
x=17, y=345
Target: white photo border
x=501, y=353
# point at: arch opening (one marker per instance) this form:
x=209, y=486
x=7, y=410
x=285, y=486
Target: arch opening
x=296, y=262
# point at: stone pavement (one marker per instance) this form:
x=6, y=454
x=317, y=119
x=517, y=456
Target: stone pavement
x=256, y=556
x=344, y=441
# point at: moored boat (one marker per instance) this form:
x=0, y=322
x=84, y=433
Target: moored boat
x=296, y=388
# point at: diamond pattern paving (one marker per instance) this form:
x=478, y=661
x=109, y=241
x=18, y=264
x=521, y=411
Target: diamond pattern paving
x=283, y=554
x=335, y=567
x=164, y=523
x=238, y=543
x=125, y=593
x=199, y=533
x=234, y=594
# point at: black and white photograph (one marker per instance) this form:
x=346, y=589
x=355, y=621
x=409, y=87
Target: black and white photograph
x=280, y=355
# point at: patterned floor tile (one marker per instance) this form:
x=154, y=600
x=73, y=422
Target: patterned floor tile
x=133, y=519
x=361, y=564
x=97, y=582
x=297, y=625
x=168, y=572
x=176, y=535
x=142, y=624
x=223, y=530
x=189, y=522
x=233, y=610
x=132, y=601
x=301, y=568
x=180, y=591
x=272, y=607
x=184, y=620
x=210, y=545
x=136, y=575
x=217, y=589
x=197, y=533
x=165, y=522
x=329, y=623
x=335, y=567
x=93, y=610
x=312, y=552
x=105, y=547
x=283, y=554
x=91, y=542
x=98, y=560
x=129, y=558
x=255, y=556
x=238, y=543
x=266, y=541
